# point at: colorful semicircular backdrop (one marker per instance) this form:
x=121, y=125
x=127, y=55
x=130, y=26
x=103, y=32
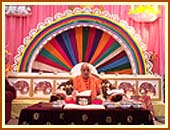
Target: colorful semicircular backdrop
x=82, y=44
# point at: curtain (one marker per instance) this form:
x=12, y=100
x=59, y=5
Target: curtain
x=152, y=34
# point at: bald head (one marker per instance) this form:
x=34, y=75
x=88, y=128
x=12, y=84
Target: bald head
x=85, y=70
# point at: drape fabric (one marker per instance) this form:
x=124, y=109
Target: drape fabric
x=152, y=34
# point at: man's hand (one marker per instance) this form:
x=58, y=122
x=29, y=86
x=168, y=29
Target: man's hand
x=74, y=94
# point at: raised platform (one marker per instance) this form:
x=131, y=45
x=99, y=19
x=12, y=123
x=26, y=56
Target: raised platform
x=31, y=87
x=159, y=108
x=19, y=104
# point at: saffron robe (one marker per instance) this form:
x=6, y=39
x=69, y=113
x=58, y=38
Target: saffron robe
x=92, y=83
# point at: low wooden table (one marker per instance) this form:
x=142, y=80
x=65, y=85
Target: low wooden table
x=45, y=113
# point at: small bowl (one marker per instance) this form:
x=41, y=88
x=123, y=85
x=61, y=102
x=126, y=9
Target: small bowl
x=57, y=106
x=137, y=105
x=111, y=106
x=125, y=106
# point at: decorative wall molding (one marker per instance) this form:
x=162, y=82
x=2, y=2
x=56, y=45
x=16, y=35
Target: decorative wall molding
x=144, y=13
x=18, y=10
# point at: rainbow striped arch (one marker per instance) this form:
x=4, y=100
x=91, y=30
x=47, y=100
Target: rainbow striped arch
x=67, y=41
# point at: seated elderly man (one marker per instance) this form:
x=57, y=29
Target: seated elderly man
x=87, y=81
